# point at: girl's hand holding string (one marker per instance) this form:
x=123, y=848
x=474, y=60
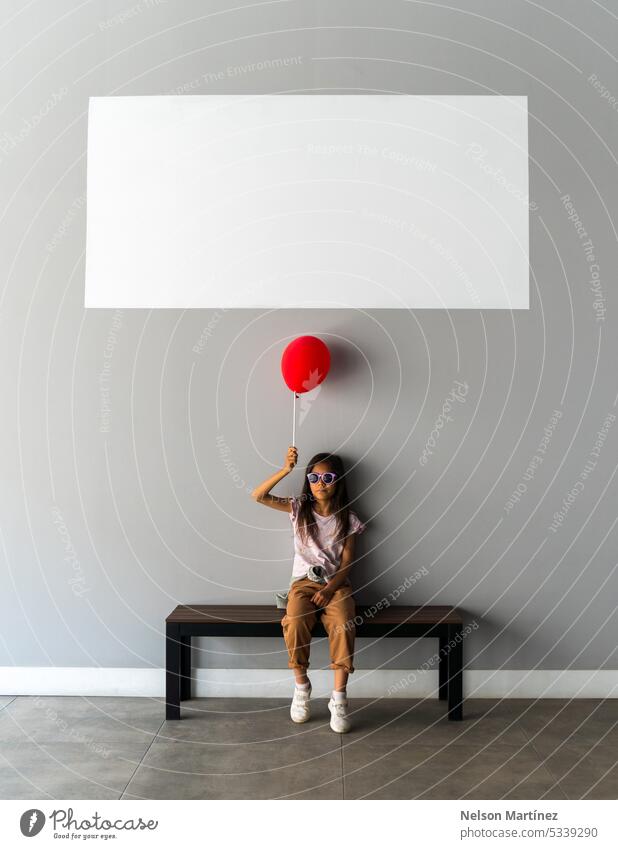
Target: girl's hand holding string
x=291, y=459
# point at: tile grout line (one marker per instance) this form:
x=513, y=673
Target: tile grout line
x=155, y=735
x=14, y=699
x=342, y=768
x=543, y=760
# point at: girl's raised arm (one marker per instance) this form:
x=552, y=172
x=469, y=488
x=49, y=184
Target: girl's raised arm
x=261, y=493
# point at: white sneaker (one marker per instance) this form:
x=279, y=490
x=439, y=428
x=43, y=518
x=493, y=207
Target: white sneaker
x=299, y=709
x=339, y=719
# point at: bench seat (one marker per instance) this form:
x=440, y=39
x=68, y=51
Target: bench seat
x=440, y=622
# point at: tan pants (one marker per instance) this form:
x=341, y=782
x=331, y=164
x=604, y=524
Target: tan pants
x=337, y=619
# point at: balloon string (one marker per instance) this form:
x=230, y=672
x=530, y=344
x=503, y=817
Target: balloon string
x=294, y=420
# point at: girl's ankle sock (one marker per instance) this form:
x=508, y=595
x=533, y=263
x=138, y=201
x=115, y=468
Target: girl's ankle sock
x=339, y=695
x=304, y=686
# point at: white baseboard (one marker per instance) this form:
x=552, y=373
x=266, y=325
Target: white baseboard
x=363, y=683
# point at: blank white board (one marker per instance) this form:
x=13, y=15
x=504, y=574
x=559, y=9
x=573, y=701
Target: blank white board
x=316, y=201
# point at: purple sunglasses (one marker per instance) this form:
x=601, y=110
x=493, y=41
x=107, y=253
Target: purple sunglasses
x=327, y=477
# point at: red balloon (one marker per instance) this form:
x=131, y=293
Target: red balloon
x=305, y=363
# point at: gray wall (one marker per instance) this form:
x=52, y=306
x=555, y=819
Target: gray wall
x=118, y=502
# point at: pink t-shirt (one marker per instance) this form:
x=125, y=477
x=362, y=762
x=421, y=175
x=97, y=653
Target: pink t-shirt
x=328, y=552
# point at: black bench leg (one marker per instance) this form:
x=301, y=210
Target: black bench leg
x=185, y=668
x=443, y=665
x=455, y=672
x=172, y=671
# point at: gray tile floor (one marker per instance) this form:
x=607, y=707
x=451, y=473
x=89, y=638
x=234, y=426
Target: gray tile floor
x=122, y=748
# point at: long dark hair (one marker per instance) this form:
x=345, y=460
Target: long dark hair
x=307, y=525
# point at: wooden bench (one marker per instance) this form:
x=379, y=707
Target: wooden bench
x=253, y=620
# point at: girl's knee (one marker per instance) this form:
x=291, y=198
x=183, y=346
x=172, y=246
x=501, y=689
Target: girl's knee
x=296, y=625
x=344, y=612
x=295, y=611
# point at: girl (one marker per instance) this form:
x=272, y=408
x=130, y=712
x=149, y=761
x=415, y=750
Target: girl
x=324, y=528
